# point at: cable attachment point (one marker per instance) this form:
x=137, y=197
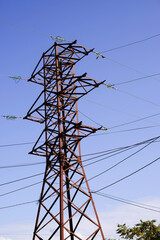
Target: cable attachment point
x=10, y=117
x=59, y=39
x=98, y=55
x=110, y=86
x=17, y=79
x=104, y=128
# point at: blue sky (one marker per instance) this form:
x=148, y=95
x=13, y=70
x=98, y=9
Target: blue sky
x=102, y=25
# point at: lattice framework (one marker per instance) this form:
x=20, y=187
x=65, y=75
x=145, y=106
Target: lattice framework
x=66, y=205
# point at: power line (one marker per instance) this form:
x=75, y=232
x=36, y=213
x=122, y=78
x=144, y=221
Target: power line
x=19, y=189
x=99, y=160
x=126, y=130
x=137, y=120
x=90, y=119
x=57, y=38
x=136, y=79
x=140, y=98
x=121, y=149
x=34, y=201
x=21, y=165
x=132, y=43
x=16, y=144
x=130, y=68
x=60, y=39
x=157, y=159
x=18, y=204
x=123, y=124
x=123, y=160
x=132, y=95
x=20, y=26
x=101, y=194
x=114, y=109
x=100, y=153
x=129, y=202
x=143, y=204
x=21, y=179
x=153, y=139
x=103, y=128
x=31, y=164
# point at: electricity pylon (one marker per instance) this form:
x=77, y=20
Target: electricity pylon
x=66, y=209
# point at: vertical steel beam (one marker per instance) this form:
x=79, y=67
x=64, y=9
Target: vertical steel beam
x=61, y=155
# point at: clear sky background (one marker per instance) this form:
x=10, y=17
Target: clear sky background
x=102, y=25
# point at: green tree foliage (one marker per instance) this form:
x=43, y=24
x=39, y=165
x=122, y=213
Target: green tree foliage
x=141, y=231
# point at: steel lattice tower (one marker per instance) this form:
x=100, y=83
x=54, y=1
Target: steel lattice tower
x=66, y=206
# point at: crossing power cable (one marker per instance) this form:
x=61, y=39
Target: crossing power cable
x=105, y=51
x=88, y=180
x=30, y=185
x=39, y=163
x=22, y=188
x=101, y=194
x=123, y=160
x=122, y=148
x=129, y=175
x=131, y=201
x=86, y=160
x=104, y=158
x=144, y=206
x=98, y=154
x=113, y=154
x=140, y=98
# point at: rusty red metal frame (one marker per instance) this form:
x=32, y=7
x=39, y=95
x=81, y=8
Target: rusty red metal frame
x=66, y=209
